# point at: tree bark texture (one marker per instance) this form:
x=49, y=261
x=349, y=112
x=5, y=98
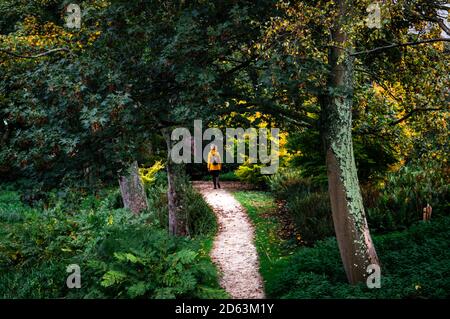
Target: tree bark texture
x=132, y=190
x=352, y=232
x=177, y=220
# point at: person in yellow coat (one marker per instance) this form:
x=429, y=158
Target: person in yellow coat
x=214, y=165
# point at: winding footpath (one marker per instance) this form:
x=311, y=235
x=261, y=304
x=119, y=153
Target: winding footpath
x=234, y=251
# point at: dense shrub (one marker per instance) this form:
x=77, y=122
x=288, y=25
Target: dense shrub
x=199, y=216
x=307, y=202
x=392, y=203
x=312, y=215
x=403, y=194
x=289, y=183
x=147, y=262
x=120, y=255
x=157, y=197
x=227, y=176
x=251, y=173
x=414, y=264
x=11, y=208
x=372, y=154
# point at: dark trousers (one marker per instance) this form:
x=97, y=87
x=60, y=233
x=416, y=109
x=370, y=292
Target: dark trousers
x=215, y=178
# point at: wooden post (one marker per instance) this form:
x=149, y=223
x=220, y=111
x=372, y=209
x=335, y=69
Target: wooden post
x=427, y=212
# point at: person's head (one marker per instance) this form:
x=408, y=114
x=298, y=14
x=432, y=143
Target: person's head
x=213, y=147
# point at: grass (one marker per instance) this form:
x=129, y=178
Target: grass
x=414, y=262
x=271, y=248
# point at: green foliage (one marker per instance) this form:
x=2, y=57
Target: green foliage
x=120, y=255
x=154, y=266
x=251, y=173
x=372, y=155
x=312, y=158
x=393, y=202
x=157, y=198
x=307, y=202
x=402, y=195
x=12, y=209
x=312, y=215
x=200, y=218
x=79, y=117
x=289, y=182
x=76, y=119
x=414, y=265
x=228, y=176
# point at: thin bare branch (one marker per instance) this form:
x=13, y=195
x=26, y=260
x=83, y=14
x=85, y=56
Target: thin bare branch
x=443, y=26
x=36, y=56
x=396, y=45
x=412, y=112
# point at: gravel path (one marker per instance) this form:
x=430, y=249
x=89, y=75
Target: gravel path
x=233, y=250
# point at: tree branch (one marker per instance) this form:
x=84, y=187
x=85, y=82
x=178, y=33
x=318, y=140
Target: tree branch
x=411, y=113
x=396, y=45
x=238, y=67
x=377, y=130
x=34, y=56
x=443, y=26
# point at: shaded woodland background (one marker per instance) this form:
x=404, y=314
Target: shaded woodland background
x=364, y=119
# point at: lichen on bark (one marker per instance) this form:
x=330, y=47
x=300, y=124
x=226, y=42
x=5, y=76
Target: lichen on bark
x=349, y=219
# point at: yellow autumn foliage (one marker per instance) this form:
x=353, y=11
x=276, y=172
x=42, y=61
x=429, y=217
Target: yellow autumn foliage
x=148, y=175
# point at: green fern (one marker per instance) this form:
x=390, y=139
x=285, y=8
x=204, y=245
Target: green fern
x=112, y=278
x=137, y=290
x=128, y=257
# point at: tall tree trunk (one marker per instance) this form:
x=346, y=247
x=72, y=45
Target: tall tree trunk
x=177, y=222
x=132, y=190
x=352, y=232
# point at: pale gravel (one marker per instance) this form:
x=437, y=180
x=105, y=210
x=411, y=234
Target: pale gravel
x=233, y=251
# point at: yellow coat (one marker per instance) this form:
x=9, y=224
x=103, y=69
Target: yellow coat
x=211, y=166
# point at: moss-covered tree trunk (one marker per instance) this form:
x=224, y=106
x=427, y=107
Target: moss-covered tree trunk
x=352, y=232
x=132, y=190
x=177, y=222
